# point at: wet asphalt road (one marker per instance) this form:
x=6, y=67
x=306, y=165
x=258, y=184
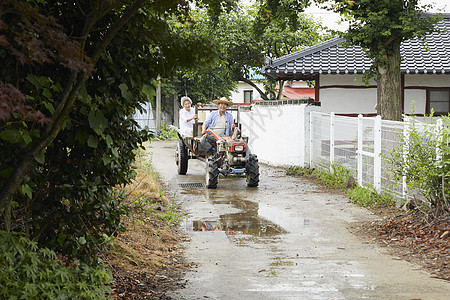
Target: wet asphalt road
x=286, y=239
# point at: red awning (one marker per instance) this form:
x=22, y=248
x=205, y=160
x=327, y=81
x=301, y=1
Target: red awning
x=297, y=93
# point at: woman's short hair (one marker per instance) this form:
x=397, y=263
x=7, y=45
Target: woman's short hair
x=184, y=99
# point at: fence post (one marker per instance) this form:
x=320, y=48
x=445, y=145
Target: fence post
x=406, y=128
x=359, y=165
x=331, y=138
x=311, y=137
x=439, y=126
x=377, y=154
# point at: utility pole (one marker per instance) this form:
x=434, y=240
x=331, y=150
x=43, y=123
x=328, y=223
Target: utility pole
x=158, y=104
x=175, y=110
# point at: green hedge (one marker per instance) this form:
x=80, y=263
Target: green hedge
x=29, y=272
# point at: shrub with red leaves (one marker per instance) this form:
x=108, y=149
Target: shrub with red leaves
x=12, y=101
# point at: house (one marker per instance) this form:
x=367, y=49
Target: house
x=245, y=93
x=337, y=73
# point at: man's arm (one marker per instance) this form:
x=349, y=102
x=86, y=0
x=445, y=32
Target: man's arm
x=207, y=122
x=203, y=128
x=230, y=123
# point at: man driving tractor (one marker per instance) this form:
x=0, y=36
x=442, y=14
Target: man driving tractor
x=217, y=125
x=221, y=147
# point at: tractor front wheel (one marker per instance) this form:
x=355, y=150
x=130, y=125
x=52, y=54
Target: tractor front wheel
x=252, y=171
x=212, y=173
x=182, y=158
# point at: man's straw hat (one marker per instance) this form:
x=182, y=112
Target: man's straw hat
x=223, y=100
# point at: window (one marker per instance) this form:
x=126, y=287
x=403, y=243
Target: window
x=439, y=101
x=248, y=96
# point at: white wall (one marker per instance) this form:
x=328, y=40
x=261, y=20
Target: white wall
x=278, y=135
x=351, y=101
x=343, y=79
x=347, y=100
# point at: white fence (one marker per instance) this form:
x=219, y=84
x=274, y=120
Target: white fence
x=147, y=119
x=361, y=144
x=296, y=133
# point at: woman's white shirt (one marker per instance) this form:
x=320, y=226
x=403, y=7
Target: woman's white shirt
x=185, y=126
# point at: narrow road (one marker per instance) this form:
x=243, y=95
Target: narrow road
x=286, y=239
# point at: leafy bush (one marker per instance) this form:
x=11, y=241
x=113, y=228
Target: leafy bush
x=29, y=272
x=68, y=202
x=68, y=142
x=167, y=133
x=423, y=158
x=368, y=196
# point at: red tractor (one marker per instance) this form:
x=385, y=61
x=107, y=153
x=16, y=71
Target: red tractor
x=232, y=157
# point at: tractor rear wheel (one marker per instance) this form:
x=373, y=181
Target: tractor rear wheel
x=252, y=171
x=212, y=173
x=182, y=158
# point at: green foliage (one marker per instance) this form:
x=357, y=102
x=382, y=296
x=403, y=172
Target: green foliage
x=368, y=196
x=240, y=41
x=167, y=133
x=423, y=158
x=334, y=176
x=68, y=135
x=380, y=26
x=30, y=272
x=174, y=214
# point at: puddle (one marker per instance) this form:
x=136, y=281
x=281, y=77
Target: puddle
x=246, y=222
x=237, y=224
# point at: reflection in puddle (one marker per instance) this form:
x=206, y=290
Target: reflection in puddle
x=237, y=224
x=246, y=222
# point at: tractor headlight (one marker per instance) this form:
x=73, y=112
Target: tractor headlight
x=238, y=148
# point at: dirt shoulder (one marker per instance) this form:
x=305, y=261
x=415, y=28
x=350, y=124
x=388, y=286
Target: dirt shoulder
x=408, y=236
x=147, y=260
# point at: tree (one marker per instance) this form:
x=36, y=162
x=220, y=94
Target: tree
x=200, y=85
x=284, y=29
x=243, y=38
x=380, y=27
x=73, y=75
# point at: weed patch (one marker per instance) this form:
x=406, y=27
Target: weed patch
x=369, y=197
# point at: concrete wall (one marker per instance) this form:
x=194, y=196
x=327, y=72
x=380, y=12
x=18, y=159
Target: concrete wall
x=279, y=135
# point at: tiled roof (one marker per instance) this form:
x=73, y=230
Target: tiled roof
x=331, y=57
